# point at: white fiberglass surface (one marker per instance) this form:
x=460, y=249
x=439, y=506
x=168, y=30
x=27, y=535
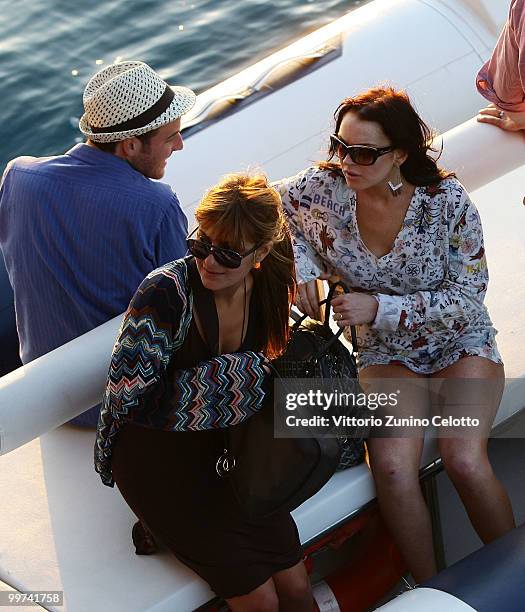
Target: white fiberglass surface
x=63, y=530
x=500, y=204
x=426, y=600
x=289, y=128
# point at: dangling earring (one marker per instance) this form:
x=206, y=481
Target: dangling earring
x=395, y=190
x=256, y=264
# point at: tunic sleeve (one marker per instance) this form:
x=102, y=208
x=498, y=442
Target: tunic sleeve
x=460, y=295
x=308, y=263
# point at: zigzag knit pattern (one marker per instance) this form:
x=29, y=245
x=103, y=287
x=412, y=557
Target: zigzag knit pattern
x=220, y=392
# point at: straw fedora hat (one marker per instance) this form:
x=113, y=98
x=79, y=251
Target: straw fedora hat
x=128, y=99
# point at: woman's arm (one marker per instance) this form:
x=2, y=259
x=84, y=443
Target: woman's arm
x=309, y=265
x=154, y=326
x=219, y=392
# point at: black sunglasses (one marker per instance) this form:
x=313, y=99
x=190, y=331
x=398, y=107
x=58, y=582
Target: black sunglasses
x=362, y=155
x=223, y=256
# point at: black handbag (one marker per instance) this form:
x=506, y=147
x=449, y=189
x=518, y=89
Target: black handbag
x=270, y=474
x=315, y=351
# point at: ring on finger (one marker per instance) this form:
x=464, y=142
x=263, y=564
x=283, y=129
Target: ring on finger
x=501, y=114
x=338, y=316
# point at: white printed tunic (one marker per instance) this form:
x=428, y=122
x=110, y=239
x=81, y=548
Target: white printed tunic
x=430, y=286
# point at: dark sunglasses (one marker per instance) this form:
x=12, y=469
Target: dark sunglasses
x=362, y=155
x=225, y=257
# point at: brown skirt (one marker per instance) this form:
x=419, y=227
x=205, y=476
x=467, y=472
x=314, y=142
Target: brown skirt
x=169, y=481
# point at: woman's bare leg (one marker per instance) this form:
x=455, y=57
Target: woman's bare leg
x=286, y=591
x=262, y=599
x=465, y=458
x=395, y=466
x=294, y=589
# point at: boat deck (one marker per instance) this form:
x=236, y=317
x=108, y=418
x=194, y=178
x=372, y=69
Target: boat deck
x=62, y=530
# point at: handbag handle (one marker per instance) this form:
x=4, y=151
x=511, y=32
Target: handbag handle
x=326, y=322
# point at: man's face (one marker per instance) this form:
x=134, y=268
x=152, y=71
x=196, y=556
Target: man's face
x=150, y=158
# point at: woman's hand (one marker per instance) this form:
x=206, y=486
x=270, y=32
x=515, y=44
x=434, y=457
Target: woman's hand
x=512, y=122
x=307, y=300
x=354, y=309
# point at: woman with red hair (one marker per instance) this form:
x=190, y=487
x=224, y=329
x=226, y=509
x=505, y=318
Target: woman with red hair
x=404, y=235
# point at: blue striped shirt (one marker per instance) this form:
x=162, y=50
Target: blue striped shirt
x=79, y=233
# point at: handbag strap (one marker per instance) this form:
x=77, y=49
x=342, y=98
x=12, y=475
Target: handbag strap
x=326, y=322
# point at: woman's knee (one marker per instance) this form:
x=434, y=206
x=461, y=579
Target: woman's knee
x=395, y=479
x=465, y=466
x=267, y=602
x=295, y=592
x=394, y=470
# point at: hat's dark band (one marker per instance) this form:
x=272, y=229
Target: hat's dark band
x=143, y=119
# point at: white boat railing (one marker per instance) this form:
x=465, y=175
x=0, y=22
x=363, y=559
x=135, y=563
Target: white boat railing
x=62, y=384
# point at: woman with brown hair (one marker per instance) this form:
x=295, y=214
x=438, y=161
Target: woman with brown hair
x=190, y=360
x=405, y=236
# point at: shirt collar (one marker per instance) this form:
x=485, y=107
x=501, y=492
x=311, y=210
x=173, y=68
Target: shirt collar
x=89, y=154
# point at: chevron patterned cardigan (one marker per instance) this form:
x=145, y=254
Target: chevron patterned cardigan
x=217, y=393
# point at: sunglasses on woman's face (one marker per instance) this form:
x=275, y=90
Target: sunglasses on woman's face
x=223, y=256
x=362, y=155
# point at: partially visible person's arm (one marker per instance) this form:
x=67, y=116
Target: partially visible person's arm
x=309, y=296
x=511, y=122
x=502, y=79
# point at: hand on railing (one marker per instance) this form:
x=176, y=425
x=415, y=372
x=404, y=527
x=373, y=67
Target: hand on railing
x=511, y=122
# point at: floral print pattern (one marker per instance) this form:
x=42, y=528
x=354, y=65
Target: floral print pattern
x=430, y=286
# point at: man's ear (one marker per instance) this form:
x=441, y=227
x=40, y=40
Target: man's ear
x=127, y=148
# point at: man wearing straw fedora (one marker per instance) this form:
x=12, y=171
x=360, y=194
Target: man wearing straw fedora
x=80, y=231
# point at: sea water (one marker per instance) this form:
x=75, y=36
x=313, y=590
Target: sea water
x=50, y=48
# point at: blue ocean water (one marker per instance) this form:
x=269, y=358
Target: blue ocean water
x=50, y=48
